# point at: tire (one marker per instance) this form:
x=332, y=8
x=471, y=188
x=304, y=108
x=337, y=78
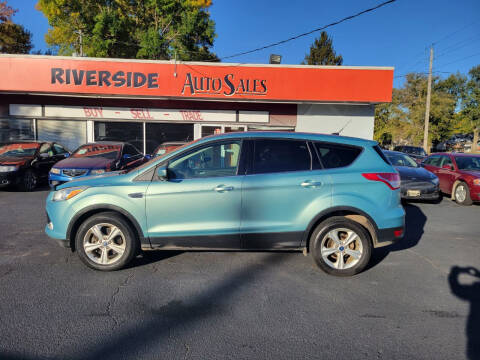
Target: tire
x=29, y=181
x=109, y=254
x=461, y=194
x=322, y=240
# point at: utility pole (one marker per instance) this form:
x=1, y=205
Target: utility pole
x=427, y=108
x=81, y=43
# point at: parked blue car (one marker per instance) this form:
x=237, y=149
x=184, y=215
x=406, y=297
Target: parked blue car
x=95, y=159
x=331, y=196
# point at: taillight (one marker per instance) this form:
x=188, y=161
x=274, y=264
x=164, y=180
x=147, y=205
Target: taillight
x=392, y=180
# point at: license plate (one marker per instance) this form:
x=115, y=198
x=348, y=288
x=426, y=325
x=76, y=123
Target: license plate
x=413, y=193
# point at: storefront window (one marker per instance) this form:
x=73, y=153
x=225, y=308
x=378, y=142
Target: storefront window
x=16, y=129
x=159, y=133
x=68, y=133
x=130, y=132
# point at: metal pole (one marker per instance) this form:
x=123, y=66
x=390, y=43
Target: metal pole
x=427, y=108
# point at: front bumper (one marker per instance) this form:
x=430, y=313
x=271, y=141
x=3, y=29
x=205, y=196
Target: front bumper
x=420, y=191
x=9, y=178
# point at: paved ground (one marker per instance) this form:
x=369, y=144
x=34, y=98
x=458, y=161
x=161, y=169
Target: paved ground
x=416, y=301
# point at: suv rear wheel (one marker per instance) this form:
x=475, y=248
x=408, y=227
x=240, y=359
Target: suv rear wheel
x=105, y=241
x=340, y=246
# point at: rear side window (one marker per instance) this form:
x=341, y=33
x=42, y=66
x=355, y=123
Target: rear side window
x=433, y=161
x=336, y=155
x=271, y=156
x=380, y=152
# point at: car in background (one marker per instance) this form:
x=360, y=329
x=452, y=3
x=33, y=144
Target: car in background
x=415, y=152
x=94, y=159
x=417, y=183
x=167, y=147
x=25, y=164
x=458, y=173
x=332, y=196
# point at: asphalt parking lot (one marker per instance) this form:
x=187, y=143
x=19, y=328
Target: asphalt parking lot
x=418, y=300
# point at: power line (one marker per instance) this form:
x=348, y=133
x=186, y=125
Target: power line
x=461, y=59
x=309, y=32
x=455, y=48
x=455, y=32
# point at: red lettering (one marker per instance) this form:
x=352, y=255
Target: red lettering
x=191, y=115
x=150, y=117
x=134, y=113
x=93, y=112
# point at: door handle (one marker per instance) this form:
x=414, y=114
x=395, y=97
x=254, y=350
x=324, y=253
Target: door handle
x=311, y=184
x=223, y=188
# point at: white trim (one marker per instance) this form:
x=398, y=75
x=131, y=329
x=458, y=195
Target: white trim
x=144, y=138
x=190, y=63
x=90, y=131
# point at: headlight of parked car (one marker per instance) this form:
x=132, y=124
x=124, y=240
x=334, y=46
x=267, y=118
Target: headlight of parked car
x=55, y=171
x=68, y=193
x=97, y=171
x=476, y=181
x=8, y=168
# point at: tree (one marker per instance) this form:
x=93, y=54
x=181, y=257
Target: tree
x=470, y=113
x=146, y=29
x=14, y=39
x=322, y=52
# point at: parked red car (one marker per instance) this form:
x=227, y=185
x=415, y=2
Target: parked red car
x=459, y=175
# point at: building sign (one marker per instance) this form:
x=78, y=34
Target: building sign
x=143, y=114
x=166, y=79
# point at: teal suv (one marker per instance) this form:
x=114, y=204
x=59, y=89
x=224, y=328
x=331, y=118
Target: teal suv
x=331, y=196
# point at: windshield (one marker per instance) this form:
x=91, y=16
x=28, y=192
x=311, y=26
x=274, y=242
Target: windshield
x=416, y=151
x=468, y=162
x=156, y=158
x=19, y=150
x=401, y=160
x=111, y=152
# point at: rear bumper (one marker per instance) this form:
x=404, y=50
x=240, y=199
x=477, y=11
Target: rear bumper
x=389, y=236
x=426, y=191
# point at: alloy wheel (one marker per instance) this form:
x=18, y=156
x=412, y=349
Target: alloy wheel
x=104, y=243
x=341, y=248
x=460, y=193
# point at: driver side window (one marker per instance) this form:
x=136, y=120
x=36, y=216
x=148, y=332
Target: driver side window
x=216, y=160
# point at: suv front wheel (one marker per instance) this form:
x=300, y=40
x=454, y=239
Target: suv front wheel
x=340, y=246
x=105, y=241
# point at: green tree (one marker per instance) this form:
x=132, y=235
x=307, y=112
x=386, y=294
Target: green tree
x=322, y=52
x=469, y=115
x=14, y=39
x=147, y=29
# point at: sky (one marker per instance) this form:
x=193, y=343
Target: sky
x=398, y=34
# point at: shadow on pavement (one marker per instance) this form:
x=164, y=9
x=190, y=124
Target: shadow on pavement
x=415, y=221
x=469, y=292
x=161, y=322
x=148, y=257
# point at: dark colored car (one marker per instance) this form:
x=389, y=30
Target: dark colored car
x=167, y=147
x=415, y=152
x=417, y=183
x=26, y=163
x=94, y=159
x=459, y=175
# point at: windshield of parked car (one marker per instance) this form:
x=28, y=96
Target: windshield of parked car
x=468, y=162
x=415, y=151
x=111, y=152
x=19, y=150
x=401, y=160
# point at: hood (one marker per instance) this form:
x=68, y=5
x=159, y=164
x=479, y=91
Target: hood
x=85, y=163
x=409, y=173
x=106, y=179
x=475, y=173
x=13, y=160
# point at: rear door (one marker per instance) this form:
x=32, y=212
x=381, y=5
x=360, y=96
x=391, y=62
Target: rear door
x=280, y=193
x=446, y=176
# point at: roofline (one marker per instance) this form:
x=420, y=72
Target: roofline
x=197, y=63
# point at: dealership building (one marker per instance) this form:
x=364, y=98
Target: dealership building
x=77, y=100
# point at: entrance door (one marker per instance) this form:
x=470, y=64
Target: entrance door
x=202, y=130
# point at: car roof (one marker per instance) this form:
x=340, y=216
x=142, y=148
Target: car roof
x=290, y=135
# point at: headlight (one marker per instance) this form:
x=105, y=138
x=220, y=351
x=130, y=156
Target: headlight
x=97, y=171
x=476, y=181
x=8, y=168
x=55, y=171
x=68, y=193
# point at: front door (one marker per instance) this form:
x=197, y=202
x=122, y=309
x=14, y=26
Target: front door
x=199, y=205
x=280, y=192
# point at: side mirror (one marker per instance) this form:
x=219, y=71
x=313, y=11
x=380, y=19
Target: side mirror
x=162, y=173
x=66, y=155
x=126, y=156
